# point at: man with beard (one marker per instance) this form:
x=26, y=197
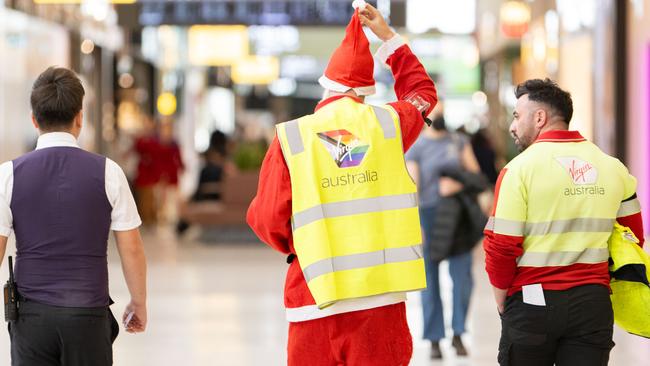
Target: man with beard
x=547, y=251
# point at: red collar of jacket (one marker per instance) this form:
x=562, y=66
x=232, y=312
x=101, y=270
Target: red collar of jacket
x=560, y=136
x=329, y=100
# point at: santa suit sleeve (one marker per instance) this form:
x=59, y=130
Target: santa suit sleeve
x=411, y=79
x=269, y=214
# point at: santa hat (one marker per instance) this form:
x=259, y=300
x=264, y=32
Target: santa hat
x=351, y=65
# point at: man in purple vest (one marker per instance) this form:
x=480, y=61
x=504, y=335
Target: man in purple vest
x=62, y=202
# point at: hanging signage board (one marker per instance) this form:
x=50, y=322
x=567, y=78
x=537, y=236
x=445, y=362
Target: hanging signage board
x=250, y=12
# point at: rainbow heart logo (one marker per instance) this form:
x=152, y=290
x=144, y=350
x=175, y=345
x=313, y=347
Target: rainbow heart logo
x=345, y=148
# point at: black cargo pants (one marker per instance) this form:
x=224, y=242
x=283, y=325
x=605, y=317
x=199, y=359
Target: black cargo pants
x=573, y=329
x=47, y=335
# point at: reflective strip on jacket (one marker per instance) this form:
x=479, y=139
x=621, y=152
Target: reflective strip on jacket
x=356, y=229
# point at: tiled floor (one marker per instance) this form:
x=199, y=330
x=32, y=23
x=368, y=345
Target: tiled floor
x=222, y=305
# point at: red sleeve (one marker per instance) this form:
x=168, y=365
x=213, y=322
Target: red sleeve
x=410, y=121
x=410, y=77
x=269, y=214
x=501, y=251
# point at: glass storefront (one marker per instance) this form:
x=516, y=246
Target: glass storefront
x=28, y=46
x=638, y=98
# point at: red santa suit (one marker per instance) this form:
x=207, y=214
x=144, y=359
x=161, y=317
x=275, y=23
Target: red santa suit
x=363, y=331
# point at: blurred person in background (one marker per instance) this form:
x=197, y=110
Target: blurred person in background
x=546, y=244
x=485, y=155
x=335, y=182
x=209, y=189
x=448, y=178
x=170, y=166
x=61, y=202
x=147, y=147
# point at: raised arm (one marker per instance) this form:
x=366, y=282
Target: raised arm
x=414, y=88
x=411, y=79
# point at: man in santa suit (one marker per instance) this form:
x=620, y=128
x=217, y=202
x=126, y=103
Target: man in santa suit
x=335, y=196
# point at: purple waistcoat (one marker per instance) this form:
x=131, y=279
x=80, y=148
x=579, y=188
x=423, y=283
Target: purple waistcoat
x=61, y=218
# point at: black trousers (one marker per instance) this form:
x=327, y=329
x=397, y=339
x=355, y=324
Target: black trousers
x=574, y=328
x=47, y=335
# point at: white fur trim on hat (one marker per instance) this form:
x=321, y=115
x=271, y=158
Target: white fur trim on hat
x=332, y=85
x=360, y=4
x=365, y=90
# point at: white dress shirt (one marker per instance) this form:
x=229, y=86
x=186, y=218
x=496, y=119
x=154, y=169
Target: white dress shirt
x=125, y=213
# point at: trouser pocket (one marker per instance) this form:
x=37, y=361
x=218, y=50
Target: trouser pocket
x=524, y=328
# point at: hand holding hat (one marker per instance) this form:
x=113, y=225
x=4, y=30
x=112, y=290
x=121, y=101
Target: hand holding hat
x=372, y=18
x=351, y=66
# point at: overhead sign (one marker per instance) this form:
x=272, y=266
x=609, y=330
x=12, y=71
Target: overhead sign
x=217, y=45
x=253, y=12
x=53, y=2
x=256, y=70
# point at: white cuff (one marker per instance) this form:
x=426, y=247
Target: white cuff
x=389, y=47
x=126, y=226
x=5, y=231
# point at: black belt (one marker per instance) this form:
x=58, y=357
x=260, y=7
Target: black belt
x=291, y=257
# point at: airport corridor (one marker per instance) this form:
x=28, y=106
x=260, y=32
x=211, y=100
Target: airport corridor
x=221, y=304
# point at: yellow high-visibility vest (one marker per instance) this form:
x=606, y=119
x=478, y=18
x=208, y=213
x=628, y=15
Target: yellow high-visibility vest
x=630, y=273
x=563, y=198
x=356, y=229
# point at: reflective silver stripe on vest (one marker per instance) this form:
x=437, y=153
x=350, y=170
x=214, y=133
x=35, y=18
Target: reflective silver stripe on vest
x=542, y=259
x=629, y=208
x=353, y=207
x=586, y=225
x=385, y=121
x=293, y=137
x=505, y=227
x=362, y=260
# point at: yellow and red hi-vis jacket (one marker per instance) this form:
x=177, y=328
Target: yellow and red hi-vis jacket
x=555, y=207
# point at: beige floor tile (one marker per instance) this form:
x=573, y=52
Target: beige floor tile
x=222, y=304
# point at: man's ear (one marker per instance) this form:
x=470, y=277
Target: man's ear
x=35, y=122
x=79, y=119
x=540, y=118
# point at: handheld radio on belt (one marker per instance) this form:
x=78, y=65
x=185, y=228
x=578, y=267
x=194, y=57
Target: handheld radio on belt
x=11, y=295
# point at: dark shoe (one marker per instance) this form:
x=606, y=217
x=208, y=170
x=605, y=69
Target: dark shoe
x=435, y=351
x=457, y=343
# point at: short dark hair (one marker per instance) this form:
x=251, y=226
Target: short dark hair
x=548, y=92
x=57, y=97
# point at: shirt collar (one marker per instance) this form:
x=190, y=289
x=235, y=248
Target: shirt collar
x=560, y=136
x=56, y=139
x=329, y=100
